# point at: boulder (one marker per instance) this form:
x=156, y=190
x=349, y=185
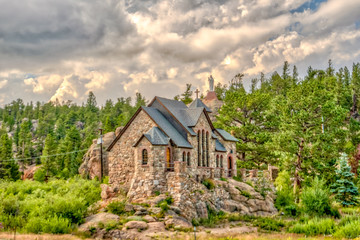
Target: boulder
x=149, y=218
x=136, y=225
x=93, y=220
x=155, y=227
x=106, y=192
x=117, y=234
x=29, y=172
x=178, y=222
x=155, y=210
x=157, y=199
x=129, y=208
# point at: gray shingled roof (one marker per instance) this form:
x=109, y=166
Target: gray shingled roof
x=213, y=135
x=219, y=147
x=177, y=109
x=197, y=103
x=191, y=116
x=157, y=137
x=227, y=136
x=166, y=126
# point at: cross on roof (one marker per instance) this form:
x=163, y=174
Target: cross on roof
x=197, y=93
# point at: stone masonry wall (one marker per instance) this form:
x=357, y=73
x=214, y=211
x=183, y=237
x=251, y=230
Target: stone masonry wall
x=121, y=157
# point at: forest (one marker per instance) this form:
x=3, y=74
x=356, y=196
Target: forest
x=309, y=127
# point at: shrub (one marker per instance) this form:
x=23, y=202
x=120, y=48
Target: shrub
x=238, y=178
x=244, y=193
x=169, y=200
x=40, y=175
x=223, y=179
x=208, y=183
x=314, y=226
x=213, y=218
x=269, y=224
x=316, y=199
x=349, y=230
x=51, y=207
x=116, y=207
x=105, y=180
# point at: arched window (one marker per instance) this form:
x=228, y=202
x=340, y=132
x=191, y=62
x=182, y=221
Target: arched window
x=188, y=159
x=199, y=155
x=207, y=149
x=203, y=147
x=217, y=161
x=144, y=157
x=221, y=161
x=184, y=157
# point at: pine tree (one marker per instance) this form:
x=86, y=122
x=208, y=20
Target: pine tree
x=48, y=160
x=9, y=169
x=186, y=96
x=344, y=188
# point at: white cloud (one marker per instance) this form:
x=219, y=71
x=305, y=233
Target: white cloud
x=3, y=83
x=62, y=50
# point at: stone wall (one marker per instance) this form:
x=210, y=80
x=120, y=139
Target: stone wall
x=121, y=157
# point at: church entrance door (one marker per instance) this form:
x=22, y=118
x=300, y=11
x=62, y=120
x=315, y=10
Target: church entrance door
x=230, y=167
x=169, y=161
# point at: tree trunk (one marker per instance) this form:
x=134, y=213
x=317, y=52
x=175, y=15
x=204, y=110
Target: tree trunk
x=354, y=161
x=297, y=180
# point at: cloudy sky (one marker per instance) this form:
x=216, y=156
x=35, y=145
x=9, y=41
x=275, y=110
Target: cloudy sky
x=65, y=48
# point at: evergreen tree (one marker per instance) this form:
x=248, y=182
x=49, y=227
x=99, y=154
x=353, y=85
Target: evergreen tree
x=311, y=130
x=91, y=103
x=9, y=169
x=25, y=145
x=244, y=114
x=48, y=160
x=186, y=96
x=344, y=188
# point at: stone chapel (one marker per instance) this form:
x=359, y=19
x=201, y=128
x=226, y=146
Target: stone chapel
x=168, y=139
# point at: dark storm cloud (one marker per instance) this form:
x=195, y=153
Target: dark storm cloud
x=32, y=32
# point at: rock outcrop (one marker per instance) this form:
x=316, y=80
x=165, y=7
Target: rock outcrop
x=94, y=220
x=91, y=161
x=29, y=172
x=193, y=199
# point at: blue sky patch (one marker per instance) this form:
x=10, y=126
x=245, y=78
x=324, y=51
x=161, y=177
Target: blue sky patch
x=312, y=5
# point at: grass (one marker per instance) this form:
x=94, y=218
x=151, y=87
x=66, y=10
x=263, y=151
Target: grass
x=208, y=183
x=315, y=226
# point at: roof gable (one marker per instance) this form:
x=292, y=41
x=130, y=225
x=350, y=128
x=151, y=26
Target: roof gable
x=167, y=127
x=197, y=103
x=155, y=136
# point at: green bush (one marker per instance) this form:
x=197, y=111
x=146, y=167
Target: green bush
x=223, y=179
x=238, y=178
x=316, y=200
x=314, y=226
x=116, y=207
x=40, y=175
x=52, y=207
x=208, y=183
x=55, y=225
x=349, y=230
x=244, y=193
x=269, y=224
